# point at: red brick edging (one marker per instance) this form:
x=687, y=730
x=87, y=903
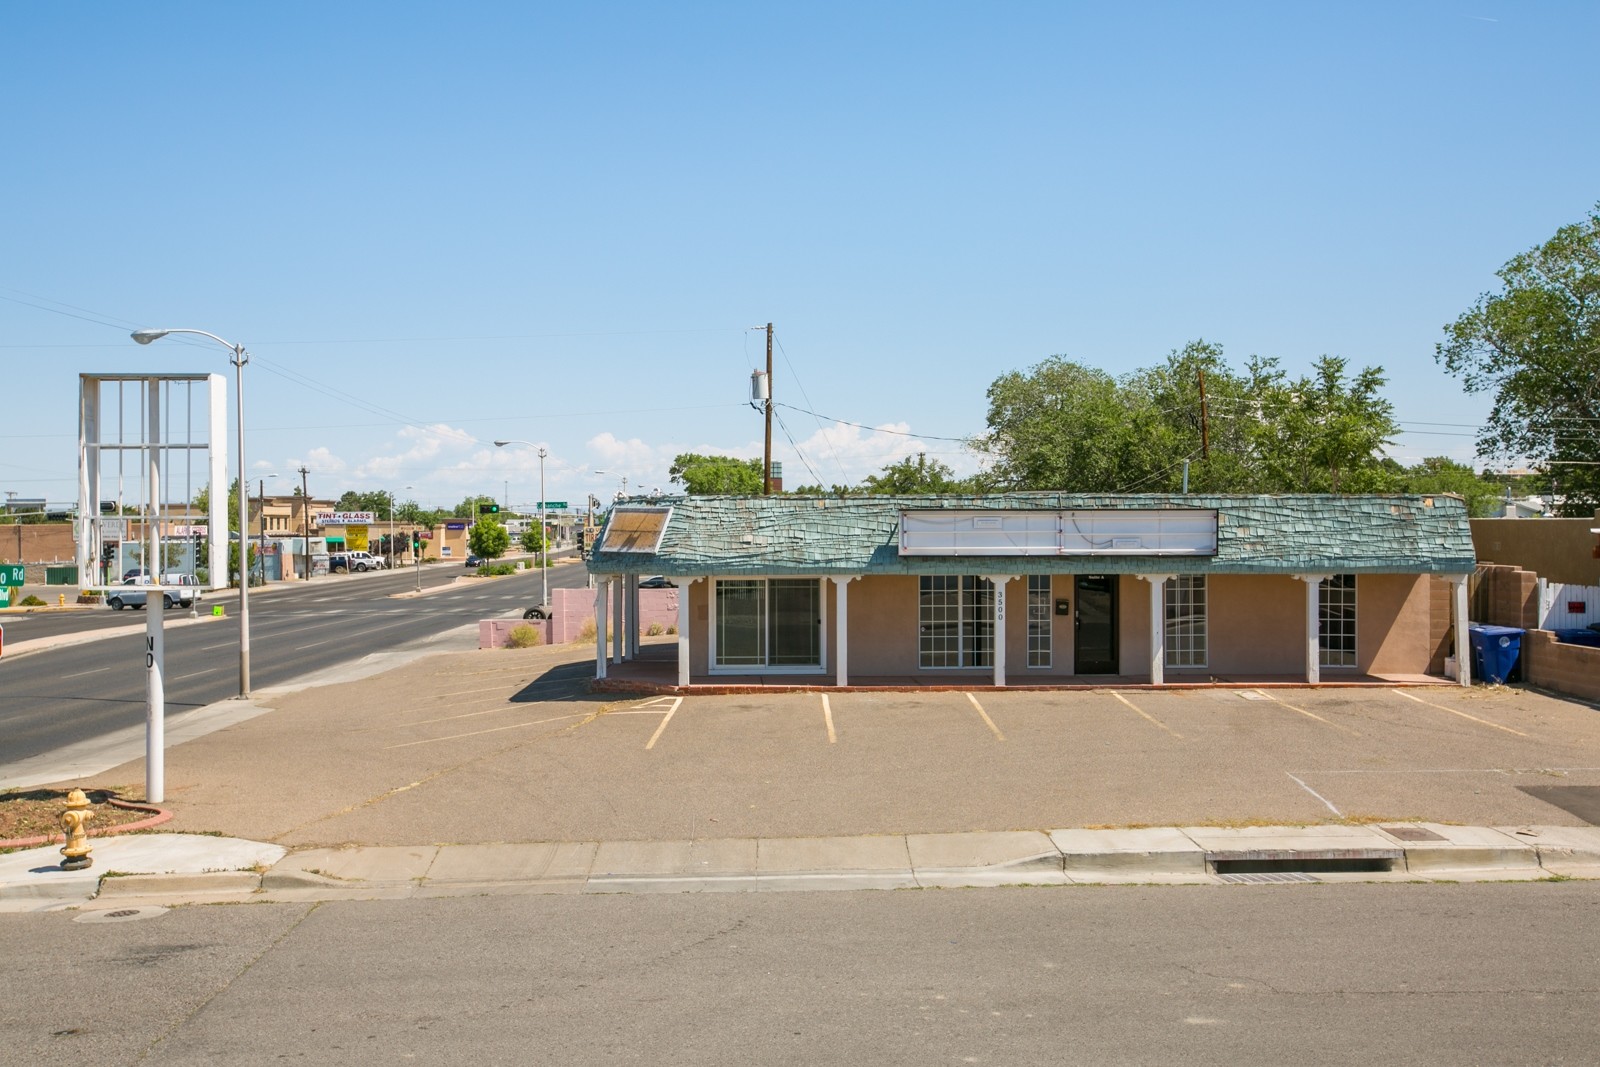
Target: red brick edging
x=159, y=816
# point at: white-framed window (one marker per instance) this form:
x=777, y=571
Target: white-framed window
x=767, y=623
x=1039, y=619
x=1186, y=620
x=955, y=621
x=1336, y=630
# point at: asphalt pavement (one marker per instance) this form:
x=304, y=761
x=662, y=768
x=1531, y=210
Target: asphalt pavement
x=71, y=677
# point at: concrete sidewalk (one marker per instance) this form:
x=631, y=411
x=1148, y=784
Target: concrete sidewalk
x=165, y=869
x=500, y=771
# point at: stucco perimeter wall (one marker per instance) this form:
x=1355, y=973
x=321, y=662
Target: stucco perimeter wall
x=1558, y=550
x=1570, y=669
x=1506, y=595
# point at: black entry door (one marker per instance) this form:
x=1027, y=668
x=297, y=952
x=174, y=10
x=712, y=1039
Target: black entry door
x=1095, y=633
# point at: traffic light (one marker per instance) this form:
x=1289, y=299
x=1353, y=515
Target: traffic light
x=416, y=542
x=488, y=509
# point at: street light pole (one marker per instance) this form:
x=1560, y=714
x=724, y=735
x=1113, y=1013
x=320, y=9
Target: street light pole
x=240, y=358
x=544, y=533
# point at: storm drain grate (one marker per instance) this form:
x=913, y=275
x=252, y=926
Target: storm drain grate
x=1366, y=861
x=1269, y=877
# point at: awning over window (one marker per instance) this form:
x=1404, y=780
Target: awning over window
x=635, y=529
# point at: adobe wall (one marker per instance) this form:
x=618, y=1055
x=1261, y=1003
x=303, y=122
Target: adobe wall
x=1570, y=669
x=38, y=542
x=1558, y=550
x=1506, y=595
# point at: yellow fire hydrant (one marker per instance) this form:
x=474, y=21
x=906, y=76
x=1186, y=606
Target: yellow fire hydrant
x=76, y=850
x=61, y=600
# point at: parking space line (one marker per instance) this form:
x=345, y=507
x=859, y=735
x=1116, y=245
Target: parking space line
x=1463, y=714
x=664, y=720
x=1148, y=717
x=827, y=717
x=1308, y=714
x=1318, y=795
x=475, y=733
x=998, y=736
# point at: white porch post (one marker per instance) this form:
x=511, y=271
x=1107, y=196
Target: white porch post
x=684, y=585
x=1313, y=626
x=633, y=617
x=999, y=582
x=841, y=660
x=1158, y=626
x=602, y=600
x=1458, y=616
x=617, y=582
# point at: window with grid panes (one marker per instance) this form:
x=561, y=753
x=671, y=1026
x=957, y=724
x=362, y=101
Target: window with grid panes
x=955, y=621
x=1336, y=636
x=1186, y=620
x=1039, y=620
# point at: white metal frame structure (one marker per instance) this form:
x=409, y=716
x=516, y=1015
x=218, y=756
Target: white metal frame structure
x=158, y=435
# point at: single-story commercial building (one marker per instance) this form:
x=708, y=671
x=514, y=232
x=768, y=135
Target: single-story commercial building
x=1042, y=588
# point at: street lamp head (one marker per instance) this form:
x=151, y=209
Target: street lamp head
x=501, y=444
x=144, y=337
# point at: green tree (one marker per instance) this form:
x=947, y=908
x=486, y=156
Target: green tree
x=468, y=508
x=202, y=503
x=1322, y=433
x=1535, y=345
x=702, y=475
x=912, y=475
x=1061, y=425
x=488, y=537
x=373, y=500
x=532, y=539
x=1437, y=474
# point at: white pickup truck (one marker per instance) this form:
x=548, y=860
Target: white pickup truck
x=177, y=590
x=354, y=561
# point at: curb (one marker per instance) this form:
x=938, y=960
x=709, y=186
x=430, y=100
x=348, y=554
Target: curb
x=161, y=815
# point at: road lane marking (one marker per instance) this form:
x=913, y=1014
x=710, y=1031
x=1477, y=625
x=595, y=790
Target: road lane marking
x=1316, y=794
x=827, y=717
x=196, y=674
x=80, y=674
x=1463, y=714
x=664, y=720
x=998, y=736
x=478, y=733
x=1148, y=718
x=1311, y=715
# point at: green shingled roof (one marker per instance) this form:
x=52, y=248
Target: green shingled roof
x=1289, y=534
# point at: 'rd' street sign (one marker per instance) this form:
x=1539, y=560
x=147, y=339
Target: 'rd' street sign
x=13, y=574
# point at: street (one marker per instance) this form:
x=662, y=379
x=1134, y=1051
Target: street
x=1336, y=974
x=59, y=696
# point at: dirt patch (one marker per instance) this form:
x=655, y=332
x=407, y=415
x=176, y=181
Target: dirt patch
x=28, y=813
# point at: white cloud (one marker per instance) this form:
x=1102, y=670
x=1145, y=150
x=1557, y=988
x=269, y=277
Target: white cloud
x=845, y=454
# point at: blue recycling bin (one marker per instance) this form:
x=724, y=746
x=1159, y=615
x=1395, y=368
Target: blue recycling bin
x=1495, y=650
x=1585, y=636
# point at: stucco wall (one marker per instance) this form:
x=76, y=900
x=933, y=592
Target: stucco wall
x=1255, y=625
x=1394, y=623
x=1558, y=550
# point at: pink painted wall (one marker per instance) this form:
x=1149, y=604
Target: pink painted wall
x=572, y=609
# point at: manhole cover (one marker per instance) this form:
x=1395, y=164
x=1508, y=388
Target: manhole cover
x=1411, y=833
x=121, y=915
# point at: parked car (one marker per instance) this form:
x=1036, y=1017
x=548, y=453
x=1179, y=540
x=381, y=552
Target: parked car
x=354, y=561
x=658, y=582
x=178, y=590
x=476, y=561
x=538, y=611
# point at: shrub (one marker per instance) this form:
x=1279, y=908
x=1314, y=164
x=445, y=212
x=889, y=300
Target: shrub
x=586, y=632
x=524, y=637
x=655, y=630
x=30, y=601
x=489, y=570
x=672, y=629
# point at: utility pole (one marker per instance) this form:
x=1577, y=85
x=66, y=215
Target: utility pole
x=766, y=468
x=305, y=521
x=1205, y=428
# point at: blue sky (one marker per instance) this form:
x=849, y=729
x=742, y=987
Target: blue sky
x=436, y=226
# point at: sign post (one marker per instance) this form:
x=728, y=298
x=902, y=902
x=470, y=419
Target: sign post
x=155, y=656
